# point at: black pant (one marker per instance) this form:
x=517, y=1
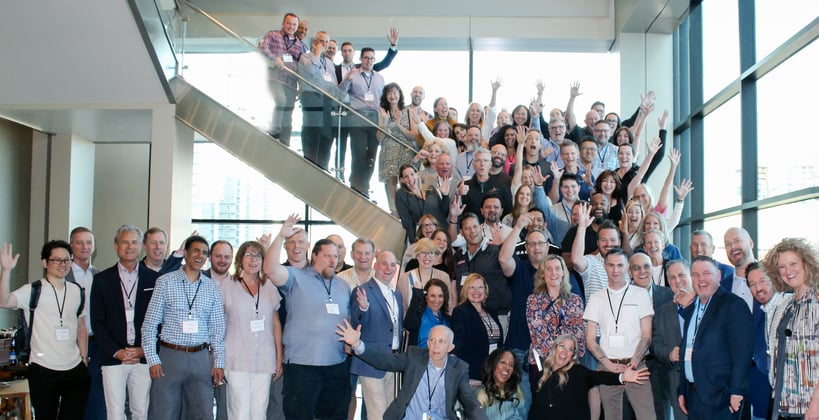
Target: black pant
x=59, y=391
x=363, y=150
x=316, y=392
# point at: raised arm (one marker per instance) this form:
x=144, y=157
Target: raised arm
x=584, y=220
x=273, y=268
x=653, y=147
x=506, y=257
x=646, y=106
x=520, y=134
x=680, y=192
x=662, y=200
x=571, y=120
x=554, y=192
x=455, y=211
x=8, y=260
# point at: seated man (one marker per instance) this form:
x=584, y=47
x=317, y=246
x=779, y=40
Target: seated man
x=421, y=397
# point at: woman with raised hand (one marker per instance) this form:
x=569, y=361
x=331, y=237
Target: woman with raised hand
x=428, y=307
x=399, y=147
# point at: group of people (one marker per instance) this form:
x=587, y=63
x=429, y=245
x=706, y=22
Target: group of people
x=292, y=337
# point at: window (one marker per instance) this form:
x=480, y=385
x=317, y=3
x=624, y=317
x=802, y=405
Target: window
x=776, y=21
x=792, y=220
x=785, y=164
x=722, y=184
x=717, y=229
x=720, y=45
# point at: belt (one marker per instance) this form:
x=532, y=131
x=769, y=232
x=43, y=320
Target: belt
x=186, y=349
x=620, y=361
x=92, y=337
x=693, y=385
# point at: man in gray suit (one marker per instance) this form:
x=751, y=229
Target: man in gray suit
x=667, y=334
x=424, y=370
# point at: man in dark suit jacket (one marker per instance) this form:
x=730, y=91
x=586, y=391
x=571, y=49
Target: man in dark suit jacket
x=716, y=348
x=419, y=396
x=119, y=300
x=667, y=334
x=380, y=316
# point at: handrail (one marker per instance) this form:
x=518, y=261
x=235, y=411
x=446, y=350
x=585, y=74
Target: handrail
x=270, y=62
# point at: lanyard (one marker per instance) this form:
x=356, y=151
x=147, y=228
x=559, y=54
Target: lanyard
x=191, y=301
x=566, y=212
x=286, y=46
x=368, y=82
x=324, y=64
x=700, y=313
x=60, y=307
x=432, y=390
x=128, y=293
x=619, y=308
x=251, y=295
x=487, y=321
x=604, y=155
x=328, y=285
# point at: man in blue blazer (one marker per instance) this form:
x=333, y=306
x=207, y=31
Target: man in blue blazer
x=119, y=300
x=380, y=315
x=716, y=348
x=433, y=382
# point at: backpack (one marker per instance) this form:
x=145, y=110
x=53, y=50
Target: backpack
x=22, y=337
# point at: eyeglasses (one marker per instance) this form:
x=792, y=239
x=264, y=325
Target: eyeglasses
x=477, y=287
x=559, y=127
x=536, y=244
x=426, y=225
x=427, y=254
x=645, y=267
x=600, y=130
x=60, y=261
x=564, y=348
x=253, y=256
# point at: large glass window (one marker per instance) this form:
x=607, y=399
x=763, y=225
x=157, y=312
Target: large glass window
x=787, y=155
x=793, y=220
x=723, y=158
x=720, y=46
x=776, y=21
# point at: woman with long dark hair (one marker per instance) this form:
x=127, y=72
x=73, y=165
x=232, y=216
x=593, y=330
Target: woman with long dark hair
x=399, y=149
x=499, y=393
x=428, y=308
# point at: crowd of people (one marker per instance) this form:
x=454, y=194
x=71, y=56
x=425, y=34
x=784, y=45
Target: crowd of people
x=540, y=280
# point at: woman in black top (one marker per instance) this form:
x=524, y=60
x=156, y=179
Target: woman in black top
x=563, y=388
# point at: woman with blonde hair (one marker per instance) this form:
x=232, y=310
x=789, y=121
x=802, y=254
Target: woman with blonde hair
x=552, y=310
x=478, y=331
x=425, y=251
x=793, y=264
x=562, y=391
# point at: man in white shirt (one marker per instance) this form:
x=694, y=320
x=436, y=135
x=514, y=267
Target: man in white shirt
x=739, y=248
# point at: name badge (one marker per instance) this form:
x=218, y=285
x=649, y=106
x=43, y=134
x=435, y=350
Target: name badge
x=287, y=58
x=129, y=315
x=493, y=347
x=689, y=352
x=369, y=97
x=617, y=341
x=190, y=326
x=328, y=77
x=257, y=325
x=62, y=334
x=463, y=279
x=332, y=308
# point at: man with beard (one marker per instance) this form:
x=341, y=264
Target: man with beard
x=590, y=265
x=316, y=369
x=499, y=155
x=759, y=384
x=606, y=152
x=342, y=252
x=492, y=227
x=463, y=164
x=189, y=307
x=739, y=248
x=522, y=279
x=666, y=336
x=221, y=256
x=441, y=190
x=599, y=206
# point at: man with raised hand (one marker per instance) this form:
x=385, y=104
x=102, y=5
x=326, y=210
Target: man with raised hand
x=317, y=371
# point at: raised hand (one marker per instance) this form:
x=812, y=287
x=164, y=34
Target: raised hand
x=8, y=260
x=496, y=84
x=682, y=190
x=675, y=157
x=361, y=298
x=540, y=87
x=574, y=89
x=392, y=36
x=456, y=209
x=661, y=121
x=524, y=220
x=584, y=218
x=520, y=134
x=534, y=107
x=463, y=189
x=349, y=335
x=556, y=170
x=266, y=240
x=289, y=226
x=655, y=145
